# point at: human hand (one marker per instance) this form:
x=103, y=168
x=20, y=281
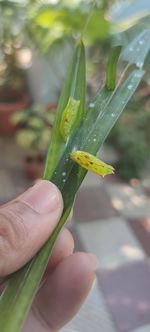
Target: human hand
x=25, y=224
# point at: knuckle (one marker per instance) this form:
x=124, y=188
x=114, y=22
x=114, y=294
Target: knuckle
x=13, y=230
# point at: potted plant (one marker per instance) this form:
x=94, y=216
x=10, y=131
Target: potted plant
x=32, y=25
x=33, y=136
x=13, y=92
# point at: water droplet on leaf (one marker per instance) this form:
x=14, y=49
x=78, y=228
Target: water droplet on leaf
x=92, y=105
x=63, y=173
x=139, y=64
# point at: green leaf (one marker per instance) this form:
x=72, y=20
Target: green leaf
x=112, y=68
x=74, y=86
x=93, y=136
x=137, y=50
x=112, y=110
x=68, y=22
x=47, y=17
x=97, y=28
x=126, y=14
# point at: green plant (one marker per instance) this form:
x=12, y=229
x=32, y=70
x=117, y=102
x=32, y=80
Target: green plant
x=11, y=26
x=36, y=25
x=35, y=125
x=88, y=132
x=131, y=137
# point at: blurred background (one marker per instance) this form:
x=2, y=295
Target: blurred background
x=112, y=216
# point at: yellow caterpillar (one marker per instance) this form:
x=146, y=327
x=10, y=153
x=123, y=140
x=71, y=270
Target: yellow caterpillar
x=69, y=117
x=91, y=163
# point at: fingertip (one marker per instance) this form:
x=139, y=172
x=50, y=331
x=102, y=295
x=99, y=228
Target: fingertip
x=63, y=248
x=65, y=290
x=43, y=197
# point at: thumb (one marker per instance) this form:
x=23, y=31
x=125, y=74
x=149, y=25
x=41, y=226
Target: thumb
x=26, y=223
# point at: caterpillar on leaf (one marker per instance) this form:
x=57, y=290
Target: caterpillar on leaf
x=91, y=163
x=68, y=117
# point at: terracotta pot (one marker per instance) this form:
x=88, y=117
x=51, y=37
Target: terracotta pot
x=34, y=167
x=10, y=102
x=52, y=108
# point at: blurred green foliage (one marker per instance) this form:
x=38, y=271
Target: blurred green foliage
x=41, y=25
x=131, y=136
x=34, y=131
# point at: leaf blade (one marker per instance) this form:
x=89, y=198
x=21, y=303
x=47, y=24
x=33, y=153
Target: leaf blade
x=74, y=86
x=137, y=50
x=111, y=70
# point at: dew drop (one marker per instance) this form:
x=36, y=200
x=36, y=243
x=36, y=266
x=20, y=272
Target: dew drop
x=139, y=64
x=63, y=173
x=94, y=140
x=113, y=115
x=130, y=87
x=137, y=74
x=64, y=180
x=92, y=105
x=141, y=42
x=130, y=49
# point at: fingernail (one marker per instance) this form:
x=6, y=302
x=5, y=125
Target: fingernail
x=94, y=261
x=43, y=197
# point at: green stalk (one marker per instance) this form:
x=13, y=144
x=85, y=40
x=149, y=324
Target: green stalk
x=74, y=86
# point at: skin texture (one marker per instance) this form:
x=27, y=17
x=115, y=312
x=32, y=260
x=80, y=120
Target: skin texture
x=25, y=225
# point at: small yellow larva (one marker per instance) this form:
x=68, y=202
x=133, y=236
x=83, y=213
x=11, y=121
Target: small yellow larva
x=91, y=163
x=68, y=117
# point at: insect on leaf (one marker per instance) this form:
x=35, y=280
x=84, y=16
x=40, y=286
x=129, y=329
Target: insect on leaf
x=91, y=163
x=69, y=117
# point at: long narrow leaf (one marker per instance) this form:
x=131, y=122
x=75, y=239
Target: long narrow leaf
x=95, y=135
x=137, y=50
x=74, y=86
x=126, y=14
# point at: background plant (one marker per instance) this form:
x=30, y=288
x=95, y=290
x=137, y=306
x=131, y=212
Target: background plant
x=36, y=26
x=131, y=138
x=35, y=125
